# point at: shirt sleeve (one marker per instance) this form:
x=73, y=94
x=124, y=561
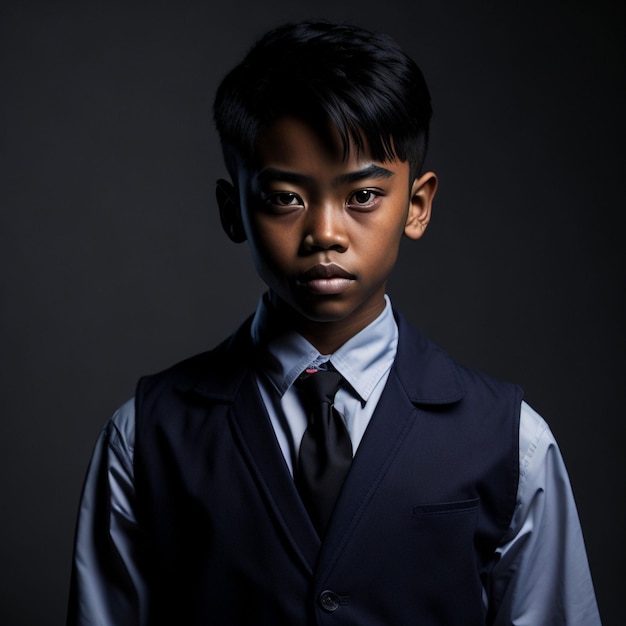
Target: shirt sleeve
x=542, y=576
x=108, y=586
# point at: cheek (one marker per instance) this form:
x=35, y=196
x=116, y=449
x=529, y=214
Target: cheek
x=382, y=237
x=380, y=248
x=274, y=246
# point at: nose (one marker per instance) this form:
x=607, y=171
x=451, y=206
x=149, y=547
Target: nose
x=325, y=229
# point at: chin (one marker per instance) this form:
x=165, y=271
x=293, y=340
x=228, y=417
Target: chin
x=324, y=312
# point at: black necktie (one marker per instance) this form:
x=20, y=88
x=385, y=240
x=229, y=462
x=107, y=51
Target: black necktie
x=326, y=449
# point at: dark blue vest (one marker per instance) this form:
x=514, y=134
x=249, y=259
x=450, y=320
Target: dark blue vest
x=427, y=500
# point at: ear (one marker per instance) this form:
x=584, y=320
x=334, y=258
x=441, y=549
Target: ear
x=230, y=213
x=423, y=191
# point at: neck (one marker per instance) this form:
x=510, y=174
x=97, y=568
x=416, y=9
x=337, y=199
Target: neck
x=326, y=336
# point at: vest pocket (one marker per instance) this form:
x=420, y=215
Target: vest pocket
x=445, y=508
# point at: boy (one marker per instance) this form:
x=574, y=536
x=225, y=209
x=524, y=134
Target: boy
x=327, y=464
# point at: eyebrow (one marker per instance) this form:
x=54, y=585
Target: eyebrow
x=272, y=174
x=371, y=171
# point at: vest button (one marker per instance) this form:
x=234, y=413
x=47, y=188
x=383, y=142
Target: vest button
x=329, y=601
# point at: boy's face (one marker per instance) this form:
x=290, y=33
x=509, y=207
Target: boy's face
x=324, y=231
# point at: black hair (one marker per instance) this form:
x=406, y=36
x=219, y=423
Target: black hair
x=361, y=81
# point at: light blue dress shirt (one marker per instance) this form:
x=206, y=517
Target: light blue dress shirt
x=542, y=577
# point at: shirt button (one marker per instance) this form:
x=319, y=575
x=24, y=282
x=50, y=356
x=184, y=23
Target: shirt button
x=329, y=601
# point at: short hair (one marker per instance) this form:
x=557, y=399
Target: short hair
x=361, y=81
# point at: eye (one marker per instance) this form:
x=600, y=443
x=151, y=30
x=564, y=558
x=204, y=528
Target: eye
x=286, y=199
x=282, y=200
x=363, y=196
x=364, y=199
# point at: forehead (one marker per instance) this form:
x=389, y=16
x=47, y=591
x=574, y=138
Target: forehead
x=289, y=138
x=290, y=144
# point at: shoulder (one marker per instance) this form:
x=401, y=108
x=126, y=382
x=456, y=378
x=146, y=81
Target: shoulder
x=116, y=442
x=431, y=376
x=121, y=426
x=490, y=387
x=534, y=431
x=212, y=368
x=539, y=452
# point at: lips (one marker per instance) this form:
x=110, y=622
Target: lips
x=326, y=279
x=330, y=270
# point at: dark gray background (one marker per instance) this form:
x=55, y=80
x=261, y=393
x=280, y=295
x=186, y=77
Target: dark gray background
x=112, y=262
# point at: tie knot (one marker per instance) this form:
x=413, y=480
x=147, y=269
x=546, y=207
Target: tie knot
x=320, y=385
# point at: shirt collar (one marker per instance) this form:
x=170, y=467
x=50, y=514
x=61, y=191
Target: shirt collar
x=362, y=360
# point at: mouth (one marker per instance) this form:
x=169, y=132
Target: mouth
x=326, y=279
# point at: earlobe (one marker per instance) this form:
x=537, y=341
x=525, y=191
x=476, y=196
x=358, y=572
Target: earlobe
x=230, y=214
x=423, y=192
